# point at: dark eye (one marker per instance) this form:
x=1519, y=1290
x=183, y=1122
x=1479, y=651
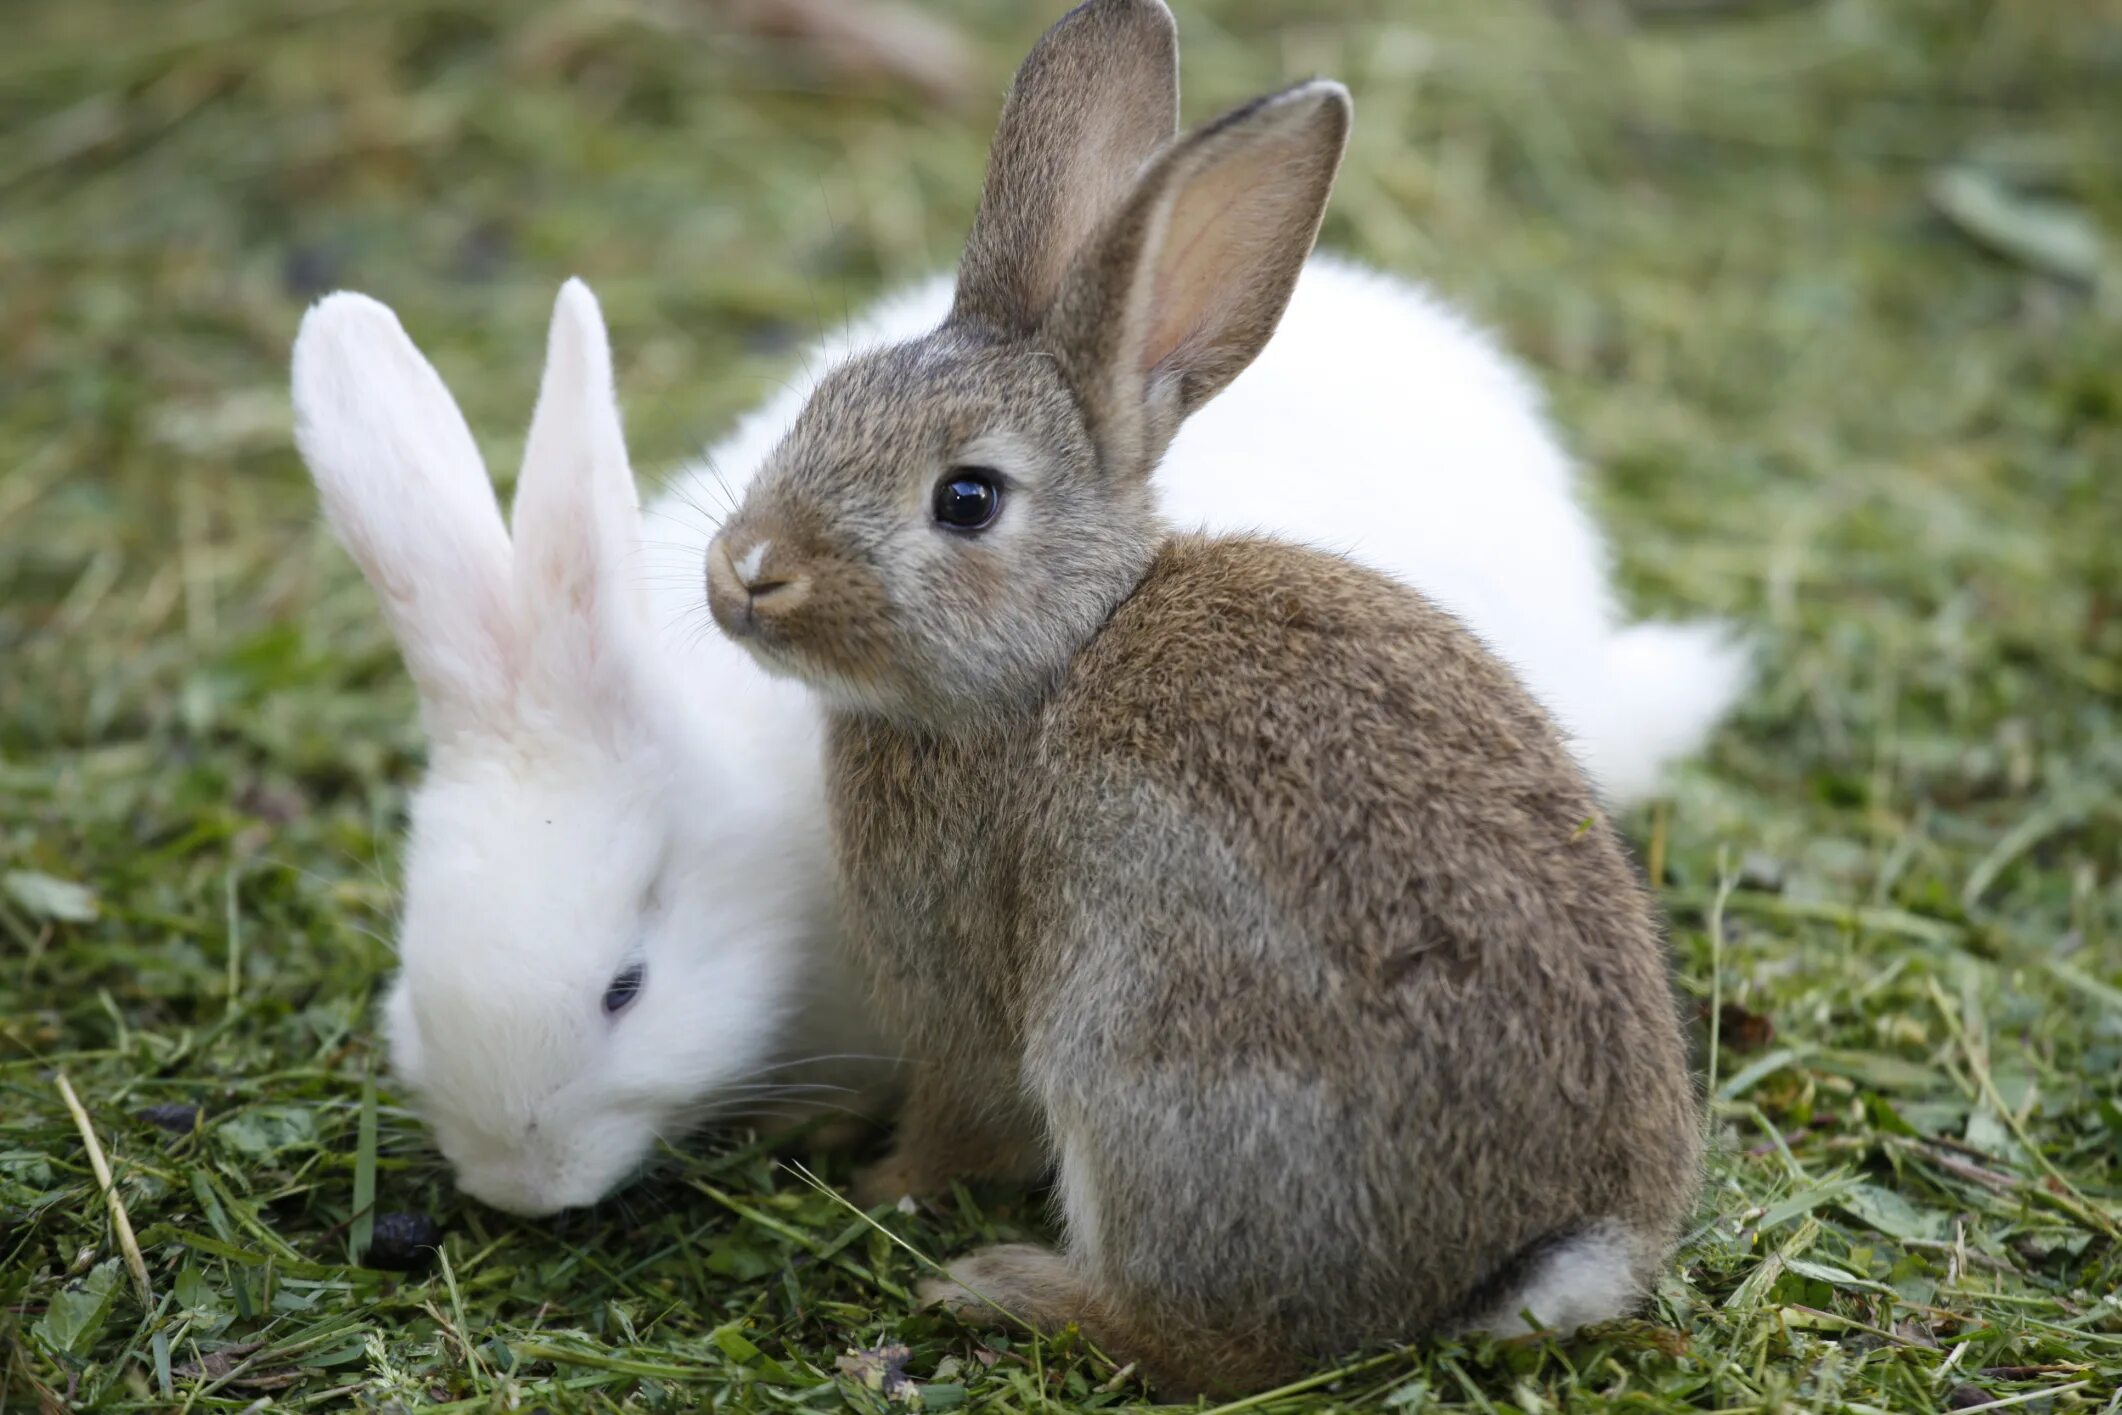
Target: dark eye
x=624, y=989
x=968, y=499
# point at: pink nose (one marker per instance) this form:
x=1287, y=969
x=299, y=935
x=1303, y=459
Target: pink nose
x=747, y=586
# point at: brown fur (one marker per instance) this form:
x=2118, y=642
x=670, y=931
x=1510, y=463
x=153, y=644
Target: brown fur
x=1235, y=879
x=1090, y=105
x=1293, y=912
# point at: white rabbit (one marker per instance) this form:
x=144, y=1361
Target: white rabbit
x=613, y=785
x=615, y=920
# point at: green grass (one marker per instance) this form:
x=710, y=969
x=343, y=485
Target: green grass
x=1886, y=440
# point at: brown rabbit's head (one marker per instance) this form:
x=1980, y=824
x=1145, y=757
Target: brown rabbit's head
x=950, y=519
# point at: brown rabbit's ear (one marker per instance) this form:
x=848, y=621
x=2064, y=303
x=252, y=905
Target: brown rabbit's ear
x=1187, y=281
x=1093, y=101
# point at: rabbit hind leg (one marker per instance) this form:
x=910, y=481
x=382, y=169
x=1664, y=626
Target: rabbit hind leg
x=1038, y=1287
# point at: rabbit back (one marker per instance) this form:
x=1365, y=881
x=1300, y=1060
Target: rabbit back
x=1322, y=902
x=1382, y=423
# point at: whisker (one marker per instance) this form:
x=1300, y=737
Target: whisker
x=825, y=1057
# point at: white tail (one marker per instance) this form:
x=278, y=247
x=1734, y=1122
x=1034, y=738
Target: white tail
x=1666, y=686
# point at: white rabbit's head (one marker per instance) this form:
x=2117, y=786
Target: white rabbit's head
x=595, y=946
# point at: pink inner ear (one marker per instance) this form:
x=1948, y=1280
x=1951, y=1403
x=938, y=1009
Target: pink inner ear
x=1225, y=236
x=579, y=598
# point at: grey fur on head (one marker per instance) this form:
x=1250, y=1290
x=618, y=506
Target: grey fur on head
x=1236, y=882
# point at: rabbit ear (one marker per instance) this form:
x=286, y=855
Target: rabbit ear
x=576, y=520
x=1188, y=280
x=403, y=487
x=1095, y=98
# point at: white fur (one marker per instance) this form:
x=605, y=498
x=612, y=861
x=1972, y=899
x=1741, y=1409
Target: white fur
x=1082, y=1215
x=593, y=796
x=611, y=778
x=411, y=501
x=748, y=566
x=1586, y=1280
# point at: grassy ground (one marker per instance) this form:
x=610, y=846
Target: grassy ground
x=1820, y=292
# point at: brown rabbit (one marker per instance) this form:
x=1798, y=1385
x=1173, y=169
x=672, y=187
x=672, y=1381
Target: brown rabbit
x=1236, y=880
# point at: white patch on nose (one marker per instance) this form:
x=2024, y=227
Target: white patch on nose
x=748, y=567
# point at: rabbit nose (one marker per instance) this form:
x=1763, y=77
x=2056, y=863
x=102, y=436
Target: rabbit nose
x=751, y=569
x=745, y=585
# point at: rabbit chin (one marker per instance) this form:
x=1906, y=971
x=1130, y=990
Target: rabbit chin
x=834, y=691
x=602, y=1151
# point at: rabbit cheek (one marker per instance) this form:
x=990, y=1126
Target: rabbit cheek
x=840, y=630
x=968, y=584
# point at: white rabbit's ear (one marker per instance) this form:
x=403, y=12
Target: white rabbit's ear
x=403, y=487
x=577, y=521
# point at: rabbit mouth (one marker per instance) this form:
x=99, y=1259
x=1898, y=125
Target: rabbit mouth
x=748, y=600
x=802, y=616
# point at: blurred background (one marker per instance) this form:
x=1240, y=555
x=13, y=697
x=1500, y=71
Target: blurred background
x=1827, y=295
x=1825, y=292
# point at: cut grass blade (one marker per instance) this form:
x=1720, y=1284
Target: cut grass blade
x=361, y=1231
x=121, y=1222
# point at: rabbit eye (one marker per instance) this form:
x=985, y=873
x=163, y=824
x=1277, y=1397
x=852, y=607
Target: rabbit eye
x=624, y=989
x=968, y=499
